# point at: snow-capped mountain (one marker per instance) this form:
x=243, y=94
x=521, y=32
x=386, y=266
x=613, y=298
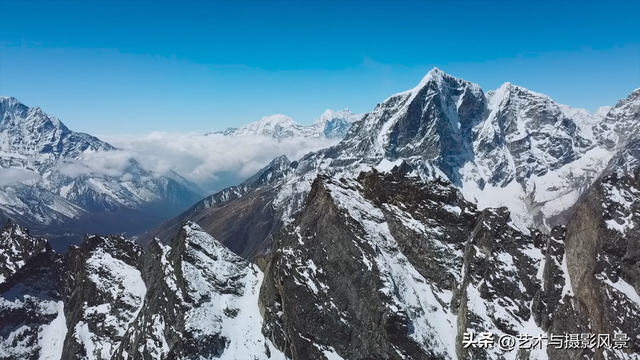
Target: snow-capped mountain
x=510, y=147
x=331, y=125
x=335, y=124
x=54, y=179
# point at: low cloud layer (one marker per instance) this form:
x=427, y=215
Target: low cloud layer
x=10, y=176
x=209, y=161
x=110, y=163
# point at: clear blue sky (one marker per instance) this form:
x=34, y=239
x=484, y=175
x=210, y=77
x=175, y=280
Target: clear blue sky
x=112, y=67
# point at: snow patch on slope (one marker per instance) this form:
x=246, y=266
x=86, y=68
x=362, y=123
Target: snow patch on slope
x=119, y=283
x=51, y=337
x=221, y=283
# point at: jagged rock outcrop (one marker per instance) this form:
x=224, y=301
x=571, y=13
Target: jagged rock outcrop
x=17, y=247
x=201, y=304
x=32, y=322
x=393, y=267
x=103, y=292
x=107, y=299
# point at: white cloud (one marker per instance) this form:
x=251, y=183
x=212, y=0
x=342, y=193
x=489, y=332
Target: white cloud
x=200, y=158
x=10, y=176
x=110, y=163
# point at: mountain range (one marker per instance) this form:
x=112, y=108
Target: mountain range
x=511, y=147
x=56, y=182
x=443, y=215
x=330, y=125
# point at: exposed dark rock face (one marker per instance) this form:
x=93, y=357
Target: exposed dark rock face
x=31, y=316
x=550, y=296
x=603, y=261
x=391, y=269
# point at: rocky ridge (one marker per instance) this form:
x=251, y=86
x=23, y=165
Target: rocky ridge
x=382, y=266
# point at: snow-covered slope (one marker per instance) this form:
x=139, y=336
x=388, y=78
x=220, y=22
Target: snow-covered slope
x=203, y=304
x=331, y=125
x=51, y=175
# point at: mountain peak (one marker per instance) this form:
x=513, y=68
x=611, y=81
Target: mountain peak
x=276, y=119
x=9, y=100
x=326, y=116
x=440, y=79
x=508, y=89
x=282, y=159
x=329, y=115
x=434, y=74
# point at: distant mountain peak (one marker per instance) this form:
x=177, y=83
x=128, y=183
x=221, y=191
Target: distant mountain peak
x=434, y=74
x=344, y=114
x=509, y=88
x=277, y=119
x=326, y=116
x=331, y=125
